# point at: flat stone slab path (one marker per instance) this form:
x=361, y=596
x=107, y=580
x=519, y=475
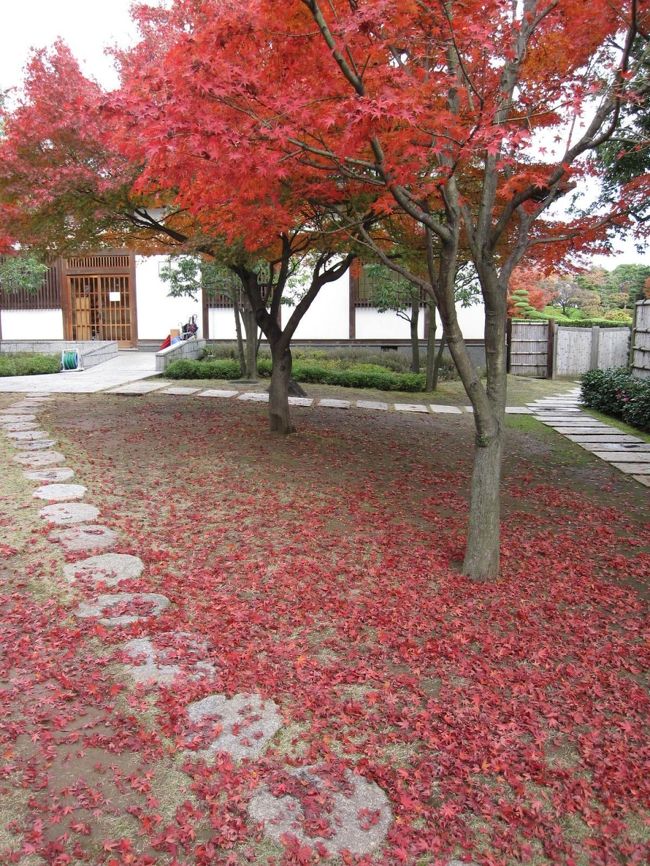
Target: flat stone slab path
x=60, y=492
x=63, y=514
x=629, y=454
x=86, y=537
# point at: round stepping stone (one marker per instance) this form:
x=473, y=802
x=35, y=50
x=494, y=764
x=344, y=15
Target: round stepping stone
x=162, y=658
x=50, y=475
x=18, y=426
x=246, y=724
x=16, y=418
x=64, y=514
x=39, y=458
x=110, y=568
x=84, y=538
x=60, y=492
x=27, y=435
x=124, y=608
x=41, y=445
x=356, y=812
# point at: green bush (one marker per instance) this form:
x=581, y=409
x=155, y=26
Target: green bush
x=611, y=391
x=185, y=369
x=29, y=365
x=637, y=410
x=356, y=376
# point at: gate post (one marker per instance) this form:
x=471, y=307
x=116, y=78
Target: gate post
x=550, y=349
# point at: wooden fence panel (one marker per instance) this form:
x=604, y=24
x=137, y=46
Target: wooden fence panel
x=528, y=349
x=641, y=341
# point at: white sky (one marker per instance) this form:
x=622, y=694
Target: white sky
x=88, y=27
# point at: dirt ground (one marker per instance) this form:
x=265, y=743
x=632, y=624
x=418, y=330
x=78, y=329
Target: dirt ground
x=506, y=723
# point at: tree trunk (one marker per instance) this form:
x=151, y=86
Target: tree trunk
x=279, y=418
x=482, y=551
x=240, y=340
x=438, y=362
x=415, y=342
x=250, y=326
x=431, y=348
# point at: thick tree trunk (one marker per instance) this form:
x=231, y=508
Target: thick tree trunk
x=279, y=417
x=415, y=342
x=482, y=551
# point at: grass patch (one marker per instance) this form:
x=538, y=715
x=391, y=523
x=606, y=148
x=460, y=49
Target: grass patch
x=616, y=422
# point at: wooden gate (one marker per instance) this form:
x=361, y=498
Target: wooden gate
x=99, y=297
x=530, y=349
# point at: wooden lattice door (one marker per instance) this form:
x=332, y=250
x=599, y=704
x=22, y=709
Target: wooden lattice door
x=101, y=304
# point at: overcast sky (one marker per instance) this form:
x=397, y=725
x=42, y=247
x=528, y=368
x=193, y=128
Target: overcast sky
x=88, y=27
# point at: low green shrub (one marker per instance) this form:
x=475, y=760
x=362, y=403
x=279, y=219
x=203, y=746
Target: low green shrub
x=29, y=365
x=610, y=390
x=211, y=369
x=637, y=410
x=357, y=376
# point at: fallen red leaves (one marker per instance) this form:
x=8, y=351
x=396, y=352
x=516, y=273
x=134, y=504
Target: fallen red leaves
x=506, y=721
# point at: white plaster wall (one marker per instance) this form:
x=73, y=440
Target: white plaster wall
x=157, y=312
x=221, y=324
x=373, y=325
x=472, y=321
x=328, y=317
x=32, y=324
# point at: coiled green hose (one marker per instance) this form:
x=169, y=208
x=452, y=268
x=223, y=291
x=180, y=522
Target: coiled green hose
x=70, y=359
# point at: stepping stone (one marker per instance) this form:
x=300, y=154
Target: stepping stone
x=518, y=410
x=642, y=479
x=254, y=397
x=624, y=456
x=631, y=468
x=138, y=388
x=616, y=438
x=109, y=568
x=40, y=445
x=217, y=392
x=64, y=514
x=60, y=492
x=334, y=404
x=629, y=448
x=7, y=418
x=164, y=657
x=563, y=429
x=301, y=401
x=246, y=724
x=411, y=407
x=447, y=410
x=17, y=426
x=28, y=435
x=355, y=814
x=180, y=391
x=85, y=537
x=39, y=458
x=123, y=607
x=50, y=475
x=372, y=404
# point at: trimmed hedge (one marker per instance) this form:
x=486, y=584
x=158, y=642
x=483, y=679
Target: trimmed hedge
x=355, y=376
x=617, y=393
x=29, y=365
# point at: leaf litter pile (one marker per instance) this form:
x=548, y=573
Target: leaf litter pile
x=325, y=685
